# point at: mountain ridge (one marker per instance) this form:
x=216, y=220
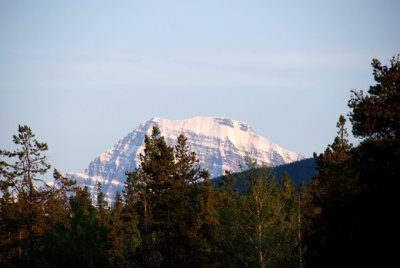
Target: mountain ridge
x=220, y=144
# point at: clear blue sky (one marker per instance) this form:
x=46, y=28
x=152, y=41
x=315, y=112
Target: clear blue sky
x=83, y=74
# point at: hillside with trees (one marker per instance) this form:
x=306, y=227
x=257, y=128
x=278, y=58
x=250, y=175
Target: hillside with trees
x=300, y=172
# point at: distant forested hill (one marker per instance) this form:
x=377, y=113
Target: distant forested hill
x=299, y=171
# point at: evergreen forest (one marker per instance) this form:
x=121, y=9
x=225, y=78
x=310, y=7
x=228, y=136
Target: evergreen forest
x=171, y=214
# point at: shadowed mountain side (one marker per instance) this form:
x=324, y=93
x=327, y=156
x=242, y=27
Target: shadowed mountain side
x=299, y=171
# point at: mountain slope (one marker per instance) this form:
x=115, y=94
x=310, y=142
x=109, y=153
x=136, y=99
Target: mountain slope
x=300, y=171
x=220, y=144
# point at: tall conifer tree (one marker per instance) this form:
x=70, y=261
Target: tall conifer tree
x=19, y=179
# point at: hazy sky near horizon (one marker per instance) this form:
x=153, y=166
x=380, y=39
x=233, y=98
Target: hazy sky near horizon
x=83, y=74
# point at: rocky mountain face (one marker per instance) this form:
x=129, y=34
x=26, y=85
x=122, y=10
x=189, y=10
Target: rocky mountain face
x=220, y=144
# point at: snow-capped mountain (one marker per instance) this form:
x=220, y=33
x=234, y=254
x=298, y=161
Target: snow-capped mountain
x=220, y=144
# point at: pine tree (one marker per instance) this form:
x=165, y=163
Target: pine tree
x=116, y=236
x=149, y=185
x=377, y=115
x=172, y=195
x=188, y=209
x=18, y=181
x=56, y=243
x=87, y=234
x=376, y=121
x=136, y=219
x=353, y=192
x=30, y=163
x=227, y=240
x=124, y=233
x=102, y=206
x=333, y=185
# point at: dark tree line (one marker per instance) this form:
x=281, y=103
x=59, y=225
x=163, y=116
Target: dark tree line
x=354, y=193
x=170, y=215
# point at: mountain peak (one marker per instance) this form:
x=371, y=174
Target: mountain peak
x=209, y=126
x=220, y=144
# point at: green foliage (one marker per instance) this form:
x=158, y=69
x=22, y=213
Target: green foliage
x=377, y=115
x=333, y=185
x=87, y=232
x=170, y=216
x=29, y=162
x=172, y=202
x=227, y=239
x=124, y=237
x=23, y=227
x=259, y=226
x=268, y=225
